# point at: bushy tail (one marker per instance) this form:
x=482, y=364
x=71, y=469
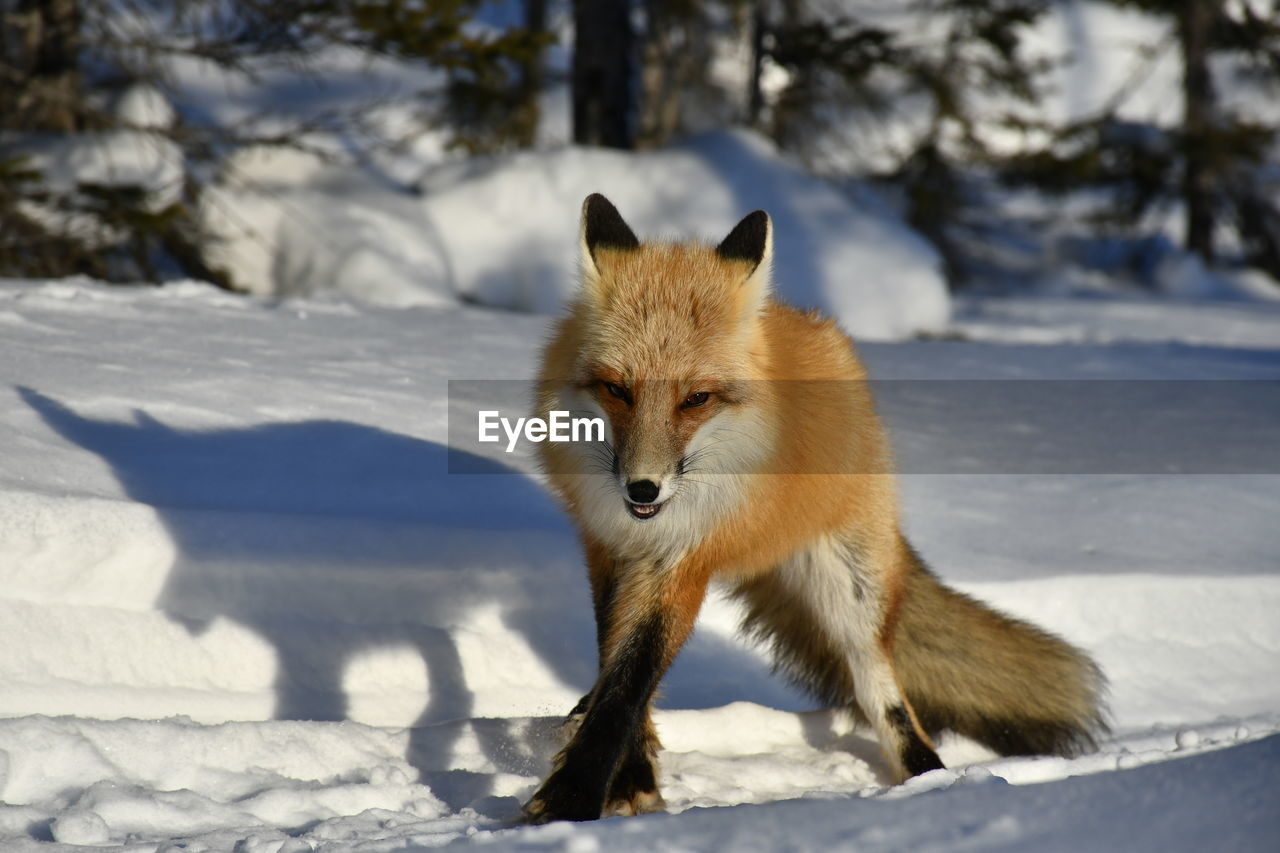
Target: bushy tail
x=1007, y=684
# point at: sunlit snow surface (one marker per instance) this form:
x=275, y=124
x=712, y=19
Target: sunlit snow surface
x=243, y=605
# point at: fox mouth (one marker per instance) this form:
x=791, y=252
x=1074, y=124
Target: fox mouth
x=644, y=512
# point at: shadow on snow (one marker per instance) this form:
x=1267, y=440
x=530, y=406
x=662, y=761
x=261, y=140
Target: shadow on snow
x=330, y=539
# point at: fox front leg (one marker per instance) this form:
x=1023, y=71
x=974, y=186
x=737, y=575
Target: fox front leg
x=634, y=789
x=585, y=768
x=602, y=572
x=608, y=761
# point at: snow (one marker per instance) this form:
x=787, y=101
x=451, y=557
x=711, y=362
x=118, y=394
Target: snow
x=144, y=106
x=503, y=232
x=112, y=158
x=245, y=607
x=1066, y=319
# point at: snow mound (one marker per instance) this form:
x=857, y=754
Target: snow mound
x=109, y=158
x=503, y=232
x=145, y=107
x=288, y=225
x=511, y=228
x=289, y=786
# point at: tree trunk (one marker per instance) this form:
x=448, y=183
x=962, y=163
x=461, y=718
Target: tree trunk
x=531, y=76
x=669, y=69
x=40, y=84
x=603, y=99
x=1195, y=22
x=791, y=121
x=755, y=95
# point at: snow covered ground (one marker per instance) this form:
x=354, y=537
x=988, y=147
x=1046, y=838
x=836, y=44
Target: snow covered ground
x=245, y=607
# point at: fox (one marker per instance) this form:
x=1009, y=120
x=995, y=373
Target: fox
x=742, y=446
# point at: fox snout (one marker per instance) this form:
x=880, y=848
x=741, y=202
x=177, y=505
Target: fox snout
x=647, y=484
x=641, y=495
x=643, y=491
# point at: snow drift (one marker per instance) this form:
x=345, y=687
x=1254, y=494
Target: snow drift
x=503, y=232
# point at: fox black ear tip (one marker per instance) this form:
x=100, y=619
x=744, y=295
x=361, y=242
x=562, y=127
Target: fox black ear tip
x=760, y=220
x=603, y=225
x=749, y=239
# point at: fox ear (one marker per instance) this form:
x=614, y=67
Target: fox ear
x=751, y=242
x=602, y=227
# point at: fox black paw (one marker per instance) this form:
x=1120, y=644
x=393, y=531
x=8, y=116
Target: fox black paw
x=564, y=797
x=635, y=789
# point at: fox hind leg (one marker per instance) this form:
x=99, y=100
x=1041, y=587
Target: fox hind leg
x=882, y=701
x=823, y=613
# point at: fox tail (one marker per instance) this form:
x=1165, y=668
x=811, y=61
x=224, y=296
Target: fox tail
x=1000, y=681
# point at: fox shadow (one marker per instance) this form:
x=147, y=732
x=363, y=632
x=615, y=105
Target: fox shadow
x=330, y=539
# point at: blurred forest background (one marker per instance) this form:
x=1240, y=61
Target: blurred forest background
x=108, y=143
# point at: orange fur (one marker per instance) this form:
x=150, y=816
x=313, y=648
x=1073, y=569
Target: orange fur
x=753, y=424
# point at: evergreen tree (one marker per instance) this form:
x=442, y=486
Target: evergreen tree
x=681, y=43
x=491, y=101
x=841, y=68
x=63, y=63
x=1212, y=161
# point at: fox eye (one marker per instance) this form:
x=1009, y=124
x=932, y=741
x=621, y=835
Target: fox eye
x=694, y=400
x=617, y=391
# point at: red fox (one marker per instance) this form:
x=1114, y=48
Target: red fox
x=733, y=426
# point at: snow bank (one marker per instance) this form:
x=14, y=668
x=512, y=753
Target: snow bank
x=1079, y=320
x=503, y=232
x=782, y=781
x=507, y=224
x=287, y=225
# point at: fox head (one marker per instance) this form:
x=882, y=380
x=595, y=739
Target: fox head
x=666, y=342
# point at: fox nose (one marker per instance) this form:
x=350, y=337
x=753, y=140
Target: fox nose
x=643, y=491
